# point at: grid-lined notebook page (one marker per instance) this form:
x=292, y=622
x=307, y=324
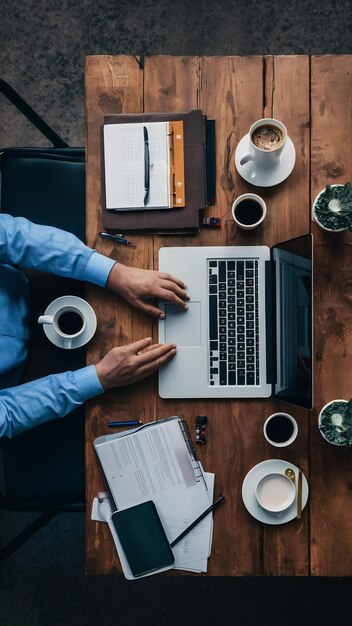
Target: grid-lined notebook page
x=125, y=167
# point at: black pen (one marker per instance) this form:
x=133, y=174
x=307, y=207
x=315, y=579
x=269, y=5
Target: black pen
x=117, y=239
x=146, y=165
x=196, y=521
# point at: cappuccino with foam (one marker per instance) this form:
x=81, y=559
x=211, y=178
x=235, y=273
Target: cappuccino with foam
x=267, y=137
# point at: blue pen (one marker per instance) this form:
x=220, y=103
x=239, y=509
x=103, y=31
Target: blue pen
x=117, y=239
x=126, y=423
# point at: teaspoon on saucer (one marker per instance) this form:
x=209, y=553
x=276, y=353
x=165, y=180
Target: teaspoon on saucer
x=290, y=474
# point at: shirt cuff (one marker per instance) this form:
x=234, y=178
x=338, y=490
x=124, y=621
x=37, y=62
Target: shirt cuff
x=88, y=383
x=98, y=269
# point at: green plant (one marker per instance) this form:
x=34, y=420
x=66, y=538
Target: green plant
x=333, y=208
x=336, y=423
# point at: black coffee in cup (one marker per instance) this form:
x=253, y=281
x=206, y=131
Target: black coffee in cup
x=70, y=322
x=279, y=428
x=248, y=212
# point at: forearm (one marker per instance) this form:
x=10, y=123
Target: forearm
x=51, y=250
x=42, y=400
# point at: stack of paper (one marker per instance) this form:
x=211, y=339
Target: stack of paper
x=156, y=462
x=192, y=552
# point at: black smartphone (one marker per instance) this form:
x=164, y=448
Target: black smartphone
x=143, y=538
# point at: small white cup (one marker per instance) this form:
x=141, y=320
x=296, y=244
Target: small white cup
x=287, y=422
x=241, y=211
x=275, y=493
x=264, y=159
x=54, y=320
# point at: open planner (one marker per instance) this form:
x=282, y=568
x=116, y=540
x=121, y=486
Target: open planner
x=157, y=462
x=144, y=165
x=181, y=158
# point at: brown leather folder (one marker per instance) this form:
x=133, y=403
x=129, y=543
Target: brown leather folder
x=172, y=219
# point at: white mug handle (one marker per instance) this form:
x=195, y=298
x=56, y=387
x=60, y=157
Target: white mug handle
x=46, y=319
x=246, y=158
x=68, y=343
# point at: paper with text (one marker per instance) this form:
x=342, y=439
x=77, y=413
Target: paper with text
x=155, y=463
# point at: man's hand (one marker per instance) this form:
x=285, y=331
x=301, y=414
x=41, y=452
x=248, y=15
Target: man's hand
x=129, y=364
x=138, y=286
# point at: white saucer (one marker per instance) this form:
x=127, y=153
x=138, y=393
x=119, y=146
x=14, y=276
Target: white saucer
x=265, y=177
x=88, y=312
x=248, y=491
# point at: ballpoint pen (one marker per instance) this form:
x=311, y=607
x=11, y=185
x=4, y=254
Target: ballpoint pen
x=146, y=165
x=117, y=239
x=124, y=423
x=197, y=520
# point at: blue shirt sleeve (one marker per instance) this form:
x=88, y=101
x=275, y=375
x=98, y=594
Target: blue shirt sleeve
x=47, y=398
x=50, y=250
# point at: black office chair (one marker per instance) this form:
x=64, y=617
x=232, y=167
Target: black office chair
x=43, y=468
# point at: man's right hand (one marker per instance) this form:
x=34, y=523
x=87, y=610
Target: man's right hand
x=129, y=364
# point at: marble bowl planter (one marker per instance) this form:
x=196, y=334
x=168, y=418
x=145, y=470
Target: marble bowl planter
x=332, y=208
x=334, y=426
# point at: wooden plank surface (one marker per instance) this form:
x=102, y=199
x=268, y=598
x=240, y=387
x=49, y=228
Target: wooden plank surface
x=331, y=84
x=286, y=548
x=228, y=84
x=225, y=87
x=113, y=85
x=238, y=550
x=331, y=480
x=236, y=91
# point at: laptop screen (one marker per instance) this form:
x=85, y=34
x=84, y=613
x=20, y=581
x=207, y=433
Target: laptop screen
x=292, y=261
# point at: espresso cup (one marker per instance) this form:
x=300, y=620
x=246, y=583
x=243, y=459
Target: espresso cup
x=275, y=493
x=71, y=319
x=248, y=210
x=280, y=429
x=267, y=138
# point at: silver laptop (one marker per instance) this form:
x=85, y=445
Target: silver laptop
x=248, y=330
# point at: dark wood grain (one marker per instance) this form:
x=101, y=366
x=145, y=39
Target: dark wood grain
x=331, y=477
x=113, y=85
x=331, y=140
x=311, y=97
x=286, y=548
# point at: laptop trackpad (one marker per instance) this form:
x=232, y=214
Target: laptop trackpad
x=183, y=327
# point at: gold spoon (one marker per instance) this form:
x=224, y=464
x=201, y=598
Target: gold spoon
x=292, y=476
x=290, y=473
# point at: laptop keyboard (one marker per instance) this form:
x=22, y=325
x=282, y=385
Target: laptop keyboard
x=233, y=322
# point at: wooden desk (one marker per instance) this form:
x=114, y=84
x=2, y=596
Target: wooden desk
x=312, y=97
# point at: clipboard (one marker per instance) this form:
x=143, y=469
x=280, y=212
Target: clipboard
x=156, y=461
x=147, y=445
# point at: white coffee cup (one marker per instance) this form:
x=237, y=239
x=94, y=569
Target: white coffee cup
x=275, y=493
x=265, y=158
x=280, y=429
x=69, y=322
x=248, y=211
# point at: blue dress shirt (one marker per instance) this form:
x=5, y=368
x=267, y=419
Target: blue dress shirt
x=29, y=245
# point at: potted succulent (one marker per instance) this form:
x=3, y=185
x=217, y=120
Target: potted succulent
x=335, y=422
x=332, y=208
